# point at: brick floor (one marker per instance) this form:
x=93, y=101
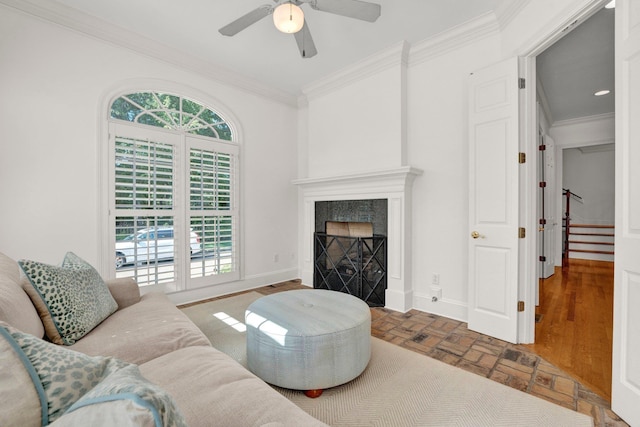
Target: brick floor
x=451, y=342
x=515, y=366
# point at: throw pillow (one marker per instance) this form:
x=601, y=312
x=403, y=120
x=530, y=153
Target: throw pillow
x=71, y=299
x=60, y=376
x=127, y=395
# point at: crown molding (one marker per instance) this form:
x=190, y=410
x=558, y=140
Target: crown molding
x=396, y=55
x=507, y=10
x=599, y=148
x=484, y=25
x=584, y=120
x=86, y=24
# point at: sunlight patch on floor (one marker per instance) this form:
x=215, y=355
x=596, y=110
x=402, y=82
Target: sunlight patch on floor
x=231, y=321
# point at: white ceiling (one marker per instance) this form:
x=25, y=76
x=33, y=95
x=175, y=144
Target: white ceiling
x=577, y=66
x=569, y=72
x=269, y=56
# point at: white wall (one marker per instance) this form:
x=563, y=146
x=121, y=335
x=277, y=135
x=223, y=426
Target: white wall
x=54, y=82
x=358, y=126
x=591, y=176
x=438, y=144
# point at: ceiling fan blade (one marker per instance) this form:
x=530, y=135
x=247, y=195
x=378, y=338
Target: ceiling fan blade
x=305, y=42
x=352, y=8
x=244, y=21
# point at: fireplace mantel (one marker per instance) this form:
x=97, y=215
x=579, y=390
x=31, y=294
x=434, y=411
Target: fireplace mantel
x=395, y=185
x=403, y=176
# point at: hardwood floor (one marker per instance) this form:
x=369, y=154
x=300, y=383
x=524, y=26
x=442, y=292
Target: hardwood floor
x=576, y=322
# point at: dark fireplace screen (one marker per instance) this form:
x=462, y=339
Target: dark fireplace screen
x=351, y=262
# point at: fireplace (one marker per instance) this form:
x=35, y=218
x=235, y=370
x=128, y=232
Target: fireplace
x=391, y=185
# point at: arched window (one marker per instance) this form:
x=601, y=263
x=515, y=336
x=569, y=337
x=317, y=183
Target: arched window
x=170, y=112
x=173, y=210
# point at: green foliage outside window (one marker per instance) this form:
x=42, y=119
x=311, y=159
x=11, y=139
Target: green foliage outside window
x=170, y=112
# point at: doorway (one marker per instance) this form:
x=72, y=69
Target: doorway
x=575, y=296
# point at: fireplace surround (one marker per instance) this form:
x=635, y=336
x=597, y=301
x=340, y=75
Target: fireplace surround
x=394, y=185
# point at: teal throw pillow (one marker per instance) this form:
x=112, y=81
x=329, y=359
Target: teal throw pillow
x=71, y=299
x=59, y=375
x=128, y=385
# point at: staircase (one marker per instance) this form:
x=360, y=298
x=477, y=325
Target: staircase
x=585, y=241
x=590, y=241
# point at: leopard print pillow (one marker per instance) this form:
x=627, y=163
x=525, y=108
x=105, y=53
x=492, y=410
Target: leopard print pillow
x=128, y=384
x=60, y=376
x=71, y=299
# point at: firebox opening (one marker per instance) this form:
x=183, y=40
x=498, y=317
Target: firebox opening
x=350, y=248
x=371, y=210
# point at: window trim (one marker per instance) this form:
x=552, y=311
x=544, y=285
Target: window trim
x=103, y=172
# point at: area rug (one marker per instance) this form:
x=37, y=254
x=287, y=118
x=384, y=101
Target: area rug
x=398, y=388
x=222, y=321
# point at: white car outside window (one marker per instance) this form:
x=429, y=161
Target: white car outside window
x=150, y=245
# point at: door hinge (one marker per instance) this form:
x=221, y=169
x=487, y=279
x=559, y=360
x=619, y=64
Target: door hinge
x=520, y=305
x=543, y=258
x=521, y=83
x=542, y=184
x=542, y=147
x=522, y=158
x=543, y=221
x=522, y=232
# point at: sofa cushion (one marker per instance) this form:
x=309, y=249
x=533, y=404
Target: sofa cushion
x=124, y=398
x=148, y=329
x=71, y=299
x=60, y=376
x=15, y=307
x=212, y=389
x=124, y=290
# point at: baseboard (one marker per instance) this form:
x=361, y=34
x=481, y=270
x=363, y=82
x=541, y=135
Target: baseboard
x=398, y=301
x=453, y=309
x=246, y=284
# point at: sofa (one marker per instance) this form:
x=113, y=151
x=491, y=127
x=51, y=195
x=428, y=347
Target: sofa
x=143, y=339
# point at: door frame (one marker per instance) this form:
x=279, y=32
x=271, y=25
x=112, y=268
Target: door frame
x=528, y=204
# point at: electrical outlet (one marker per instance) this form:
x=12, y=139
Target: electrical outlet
x=435, y=279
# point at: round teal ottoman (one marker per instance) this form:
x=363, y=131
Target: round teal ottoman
x=308, y=339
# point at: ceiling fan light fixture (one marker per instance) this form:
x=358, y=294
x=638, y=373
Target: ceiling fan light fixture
x=288, y=18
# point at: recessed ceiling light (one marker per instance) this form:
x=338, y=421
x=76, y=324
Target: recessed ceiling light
x=611, y=4
x=602, y=92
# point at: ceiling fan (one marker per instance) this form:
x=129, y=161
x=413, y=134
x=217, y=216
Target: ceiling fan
x=288, y=17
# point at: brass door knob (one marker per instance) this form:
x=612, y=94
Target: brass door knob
x=475, y=234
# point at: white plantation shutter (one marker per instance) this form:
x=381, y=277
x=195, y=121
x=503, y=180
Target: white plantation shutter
x=213, y=211
x=143, y=203
x=173, y=193
x=143, y=173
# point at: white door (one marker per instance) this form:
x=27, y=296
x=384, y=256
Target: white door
x=625, y=393
x=493, y=200
x=548, y=208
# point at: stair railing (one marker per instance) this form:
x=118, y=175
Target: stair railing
x=566, y=220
